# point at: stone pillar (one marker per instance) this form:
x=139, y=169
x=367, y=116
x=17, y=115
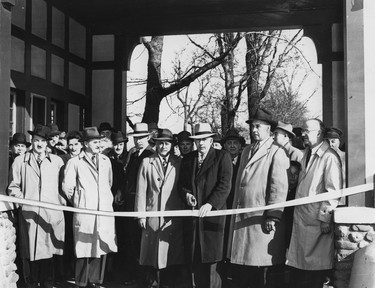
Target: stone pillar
x=359, y=25
x=8, y=275
x=354, y=230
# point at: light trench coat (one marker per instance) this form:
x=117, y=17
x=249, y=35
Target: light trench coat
x=42, y=231
x=310, y=249
x=89, y=187
x=162, y=240
x=261, y=180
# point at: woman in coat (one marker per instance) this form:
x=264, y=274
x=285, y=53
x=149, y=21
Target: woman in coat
x=162, y=242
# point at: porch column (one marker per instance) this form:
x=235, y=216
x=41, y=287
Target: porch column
x=359, y=25
x=5, y=62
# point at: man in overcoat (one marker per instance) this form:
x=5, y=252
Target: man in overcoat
x=142, y=149
x=204, y=184
x=311, y=250
x=87, y=184
x=258, y=238
x=162, y=239
x=35, y=176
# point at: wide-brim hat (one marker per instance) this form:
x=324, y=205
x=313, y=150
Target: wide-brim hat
x=164, y=135
x=233, y=134
x=263, y=115
x=184, y=136
x=118, y=137
x=333, y=133
x=140, y=129
x=288, y=128
x=19, y=138
x=90, y=133
x=202, y=130
x=54, y=129
x=41, y=131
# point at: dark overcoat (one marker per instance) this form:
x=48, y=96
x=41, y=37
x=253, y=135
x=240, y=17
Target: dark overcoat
x=211, y=184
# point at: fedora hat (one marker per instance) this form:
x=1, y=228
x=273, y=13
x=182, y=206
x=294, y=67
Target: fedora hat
x=164, y=135
x=184, y=136
x=288, y=128
x=90, y=133
x=19, y=138
x=233, y=134
x=263, y=115
x=202, y=130
x=333, y=133
x=118, y=137
x=54, y=129
x=140, y=129
x=41, y=131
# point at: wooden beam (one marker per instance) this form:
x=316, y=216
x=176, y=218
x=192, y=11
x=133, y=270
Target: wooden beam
x=5, y=64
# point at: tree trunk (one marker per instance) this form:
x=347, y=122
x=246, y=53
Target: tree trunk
x=154, y=89
x=227, y=110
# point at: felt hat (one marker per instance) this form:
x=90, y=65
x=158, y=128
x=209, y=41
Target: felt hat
x=105, y=126
x=202, y=130
x=152, y=126
x=41, y=131
x=184, y=136
x=164, y=135
x=233, y=134
x=19, y=138
x=118, y=137
x=140, y=129
x=54, y=129
x=90, y=133
x=333, y=133
x=263, y=115
x=288, y=128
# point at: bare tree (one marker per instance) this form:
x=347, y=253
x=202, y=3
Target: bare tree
x=156, y=91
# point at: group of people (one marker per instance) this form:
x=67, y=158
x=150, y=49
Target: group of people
x=165, y=172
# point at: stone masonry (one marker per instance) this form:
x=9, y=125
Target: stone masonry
x=8, y=275
x=354, y=229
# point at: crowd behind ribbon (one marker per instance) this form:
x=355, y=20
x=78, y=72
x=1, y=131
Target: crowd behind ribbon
x=92, y=169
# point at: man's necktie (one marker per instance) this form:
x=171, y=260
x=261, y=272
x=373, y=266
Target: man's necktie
x=308, y=156
x=200, y=160
x=165, y=164
x=39, y=159
x=255, y=148
x=93, y=158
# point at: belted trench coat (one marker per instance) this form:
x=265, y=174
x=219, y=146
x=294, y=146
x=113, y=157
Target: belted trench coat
x=162, y=240
x=89, y=187
x=42, y=230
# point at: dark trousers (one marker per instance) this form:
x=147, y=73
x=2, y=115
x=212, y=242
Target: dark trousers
x=90, y=270
x=259, y=277
x=206, y=275
x=307, y=278
x=38, y=272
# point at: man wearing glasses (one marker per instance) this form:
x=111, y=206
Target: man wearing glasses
x=311, y=248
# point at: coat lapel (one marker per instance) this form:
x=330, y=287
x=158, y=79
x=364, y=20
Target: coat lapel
x=207, y=163
x=262, y=151
x=155, y=161
x=314, y=157
x=31, y=160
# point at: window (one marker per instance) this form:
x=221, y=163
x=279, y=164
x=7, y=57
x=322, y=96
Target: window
x=38, y=110
x=12, y=114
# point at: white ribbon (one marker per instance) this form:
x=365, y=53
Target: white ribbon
x=194, y=213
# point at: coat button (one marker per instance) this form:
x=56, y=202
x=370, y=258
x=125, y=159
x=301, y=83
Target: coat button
x=158, y=179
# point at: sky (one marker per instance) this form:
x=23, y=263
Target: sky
x=173, y=45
